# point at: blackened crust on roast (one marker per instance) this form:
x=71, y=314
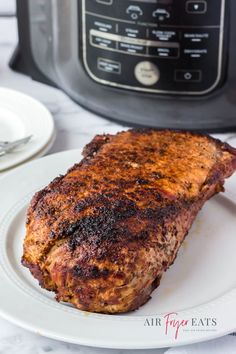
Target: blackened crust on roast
x=42, y=193
x=93, y=147
x=89, y=272
x=109, y=220
x=104, y=226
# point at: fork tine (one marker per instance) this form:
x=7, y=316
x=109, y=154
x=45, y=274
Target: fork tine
x=11, y=146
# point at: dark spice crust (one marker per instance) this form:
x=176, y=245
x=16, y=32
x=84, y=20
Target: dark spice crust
x=102, y=235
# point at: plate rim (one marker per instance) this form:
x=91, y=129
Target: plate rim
x=91, y=342
x=42, y=153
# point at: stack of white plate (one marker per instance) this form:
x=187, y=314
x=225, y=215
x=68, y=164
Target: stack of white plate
x=21, y=116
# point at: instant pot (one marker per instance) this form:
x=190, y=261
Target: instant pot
x=159, y=63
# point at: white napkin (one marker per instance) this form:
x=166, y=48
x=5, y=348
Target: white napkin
x=224, y=345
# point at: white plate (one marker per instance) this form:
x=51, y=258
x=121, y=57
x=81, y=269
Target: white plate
x=38, y=155
x=200, y=285
x=20, y=116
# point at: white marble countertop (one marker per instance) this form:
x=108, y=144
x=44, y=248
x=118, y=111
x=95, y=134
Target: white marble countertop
x=75, y=127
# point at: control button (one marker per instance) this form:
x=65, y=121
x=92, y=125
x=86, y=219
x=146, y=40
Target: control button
x=104, y=26
x=195, y=37
x=161, y=14
x=134, y=12
x=132, y=31
x=109, y=66
x=103, y=42
x=105, y=2
x=164, y=52
x=195, y=53
x=147, y=73
x=163, y=36
x=132, y=48
x=188, y=75
x=196, y=7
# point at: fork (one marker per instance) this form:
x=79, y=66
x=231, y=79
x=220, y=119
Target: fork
x=3, y=143
x=6, y=147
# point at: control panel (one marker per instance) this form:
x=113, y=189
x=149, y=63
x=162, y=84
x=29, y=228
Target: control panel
x=162, y=46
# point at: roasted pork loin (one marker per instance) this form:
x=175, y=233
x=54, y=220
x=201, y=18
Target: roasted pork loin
x=101, y=236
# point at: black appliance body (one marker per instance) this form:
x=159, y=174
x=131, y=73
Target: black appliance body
x=158, y=63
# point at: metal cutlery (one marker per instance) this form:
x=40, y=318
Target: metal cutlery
x=7, y=147
x=5, y=142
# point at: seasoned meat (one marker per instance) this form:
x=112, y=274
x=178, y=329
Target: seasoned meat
x=101, y=236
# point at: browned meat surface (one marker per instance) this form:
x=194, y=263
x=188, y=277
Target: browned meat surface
x=102, y=235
